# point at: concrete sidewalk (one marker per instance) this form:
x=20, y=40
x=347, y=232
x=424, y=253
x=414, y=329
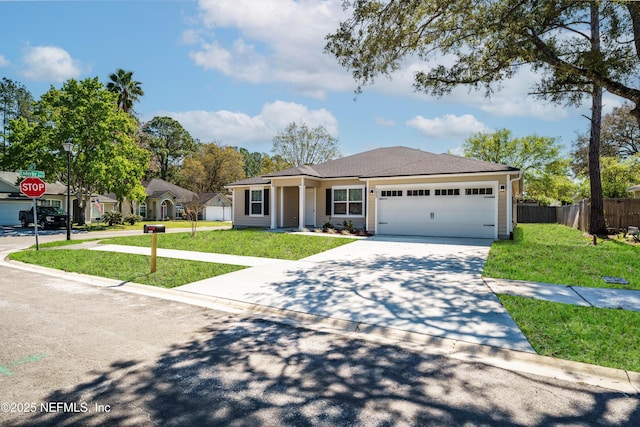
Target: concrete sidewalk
x=577, y=295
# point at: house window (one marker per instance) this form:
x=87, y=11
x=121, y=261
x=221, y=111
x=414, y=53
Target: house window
x=418, y=193
x=256, y=203
x=142, y=210
x=478, y=191
x=391, y=193
x=447, y=192
x=51, y=203
x=348, y=201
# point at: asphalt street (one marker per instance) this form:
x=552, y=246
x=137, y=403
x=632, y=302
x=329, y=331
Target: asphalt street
x=76, y=354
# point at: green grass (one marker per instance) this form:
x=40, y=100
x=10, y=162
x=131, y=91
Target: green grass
x=256, y=243
x=553, y=253
x=592, y=335
x=128, y=268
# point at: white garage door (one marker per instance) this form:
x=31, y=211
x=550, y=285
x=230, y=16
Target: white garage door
x=9, y=211
x=451, y=210
x=218, y=213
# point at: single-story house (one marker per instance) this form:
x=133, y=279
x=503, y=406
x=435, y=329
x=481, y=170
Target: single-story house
x=12, y=201
x=635, y=190
x=167, y=201
x=164, y=200
x=395, y=190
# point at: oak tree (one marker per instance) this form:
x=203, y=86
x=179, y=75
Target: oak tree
x=169, y=143
x=577, y=48
x=105, y=157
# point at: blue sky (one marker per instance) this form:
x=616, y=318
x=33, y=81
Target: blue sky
x=238, y=71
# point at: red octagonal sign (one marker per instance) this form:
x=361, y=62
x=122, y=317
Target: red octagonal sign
x=32, y=187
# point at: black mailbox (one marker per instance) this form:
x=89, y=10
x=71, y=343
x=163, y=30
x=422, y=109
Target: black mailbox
x=154, y=228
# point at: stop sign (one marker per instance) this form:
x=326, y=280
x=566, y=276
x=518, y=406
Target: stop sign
x=32, y=187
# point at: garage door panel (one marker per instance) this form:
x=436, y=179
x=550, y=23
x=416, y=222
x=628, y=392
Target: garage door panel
x=451, y=216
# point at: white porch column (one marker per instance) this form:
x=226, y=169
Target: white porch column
x=274, y=210
x=281, y=223
x=509, y=202
x=233, y=205
x=303, y=190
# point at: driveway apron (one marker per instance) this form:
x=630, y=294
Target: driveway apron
x=425, y=285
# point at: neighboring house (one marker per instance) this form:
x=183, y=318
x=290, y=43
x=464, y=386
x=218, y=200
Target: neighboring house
x=217, y=207
x=164, y=200
x=635, y=190
x=167, y=201
x=12, y=201
x=396, y=190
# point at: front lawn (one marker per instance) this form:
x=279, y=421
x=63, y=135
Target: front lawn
x=553, y=253
x=256, y=243
x=140, y=225
x=126, y=267
x=592, y=335
x=174, y=272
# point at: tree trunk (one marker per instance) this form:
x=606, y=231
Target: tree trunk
x=597, y=225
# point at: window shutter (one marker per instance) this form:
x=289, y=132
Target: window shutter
x=246, y=202
x=328, y=204
x=266, y=201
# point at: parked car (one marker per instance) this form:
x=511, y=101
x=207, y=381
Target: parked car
x=48, y=217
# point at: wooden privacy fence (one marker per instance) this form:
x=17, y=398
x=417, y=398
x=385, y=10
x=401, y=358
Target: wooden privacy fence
x=622, y=213
x=618, y=213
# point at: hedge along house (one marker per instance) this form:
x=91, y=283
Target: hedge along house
x=396, y=190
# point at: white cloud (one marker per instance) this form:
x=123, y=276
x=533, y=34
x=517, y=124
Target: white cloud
x=4, y=62
x=49, y=63
x=241, y=129
x=449, y=127
x=271, y=41
x=511, y=99
x=282, y=41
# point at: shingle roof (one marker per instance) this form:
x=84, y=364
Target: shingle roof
x=387, y=162
x=256, y=180
x=157, y=187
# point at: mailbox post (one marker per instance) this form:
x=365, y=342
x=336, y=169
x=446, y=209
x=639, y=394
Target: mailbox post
x=154, y=230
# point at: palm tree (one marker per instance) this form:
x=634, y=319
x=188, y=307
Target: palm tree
x=128, y=90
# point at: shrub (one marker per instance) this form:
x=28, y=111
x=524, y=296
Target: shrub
x=112, y=218
x=132, y=219
x=348, y=226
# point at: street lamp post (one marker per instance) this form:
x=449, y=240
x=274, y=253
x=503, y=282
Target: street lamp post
x=68, y=146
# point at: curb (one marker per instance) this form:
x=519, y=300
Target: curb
x=577, y=372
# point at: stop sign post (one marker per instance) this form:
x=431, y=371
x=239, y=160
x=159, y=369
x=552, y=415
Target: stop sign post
x=33, y=187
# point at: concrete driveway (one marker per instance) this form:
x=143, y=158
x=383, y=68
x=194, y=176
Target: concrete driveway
x=426, y=285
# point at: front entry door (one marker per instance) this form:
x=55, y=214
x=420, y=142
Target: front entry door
x=310, y=207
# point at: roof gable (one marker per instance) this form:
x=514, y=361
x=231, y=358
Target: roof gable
x=157, y=187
